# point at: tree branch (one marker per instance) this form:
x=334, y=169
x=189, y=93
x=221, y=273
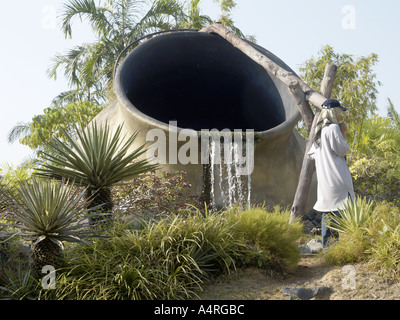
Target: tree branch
x=287, y=77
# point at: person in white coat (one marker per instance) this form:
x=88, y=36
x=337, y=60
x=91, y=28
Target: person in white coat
x=334, y=181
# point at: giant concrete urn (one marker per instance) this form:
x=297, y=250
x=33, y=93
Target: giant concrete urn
x=199, y=81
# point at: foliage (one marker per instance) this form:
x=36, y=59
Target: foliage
x=393, y=114
x=53, y=123
x=116, y=24
x=154, y=195
x=352, y=225
x=351, y=248
x=99, y=158
x=89, y=67
x=48, y=209
x=226, y=7
x=190, y=16
x=375, y=240
x=173, y=257
x=375, y=164
x=11, y=175
x=355, y=85
x=385, y=254
x=19, y=286
x=384, y=250
x=167, y=259
x=353, y=217
x=270, y=232
x=46, y=213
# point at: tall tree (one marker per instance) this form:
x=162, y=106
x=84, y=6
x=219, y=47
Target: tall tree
x=356, y=86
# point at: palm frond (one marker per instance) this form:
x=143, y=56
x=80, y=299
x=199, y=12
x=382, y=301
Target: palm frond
x=88, y=9
x=20, y=130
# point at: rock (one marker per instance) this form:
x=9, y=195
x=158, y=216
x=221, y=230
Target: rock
x=315, y=245
x=315, y=293
x=312, y=247
x=321, y=293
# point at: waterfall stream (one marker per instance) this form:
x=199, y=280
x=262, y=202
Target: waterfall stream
x=229, y=184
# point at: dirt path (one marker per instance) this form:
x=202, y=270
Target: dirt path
x=312, y=271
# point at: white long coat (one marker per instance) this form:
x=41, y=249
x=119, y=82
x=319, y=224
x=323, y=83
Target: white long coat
x=334, y=182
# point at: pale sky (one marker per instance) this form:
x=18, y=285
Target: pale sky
x=292, y=30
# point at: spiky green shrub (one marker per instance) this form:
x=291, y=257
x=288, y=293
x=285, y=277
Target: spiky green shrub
x=353, y=217
x=97, y=159
x=47, y=213
x=352, y=225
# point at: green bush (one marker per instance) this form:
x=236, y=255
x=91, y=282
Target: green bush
x=270, y=232
x=350, y=248
x=353, y=218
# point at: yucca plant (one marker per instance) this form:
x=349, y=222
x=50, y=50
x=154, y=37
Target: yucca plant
x=353, y=216
x=96, y=158
x=48, y=213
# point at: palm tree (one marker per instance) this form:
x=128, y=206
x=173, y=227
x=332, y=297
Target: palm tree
x=116, y=24
x=96, y=159
x=47, y=213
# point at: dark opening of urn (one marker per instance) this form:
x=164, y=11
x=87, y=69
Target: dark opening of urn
x=202, y=82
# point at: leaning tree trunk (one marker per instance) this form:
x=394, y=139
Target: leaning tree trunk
x=100, y=205
x=308, y=166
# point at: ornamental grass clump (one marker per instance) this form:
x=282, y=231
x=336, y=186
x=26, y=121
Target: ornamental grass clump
x=384, y=252
x=165, y=259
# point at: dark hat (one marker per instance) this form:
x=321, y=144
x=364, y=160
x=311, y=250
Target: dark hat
x=332, y=103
